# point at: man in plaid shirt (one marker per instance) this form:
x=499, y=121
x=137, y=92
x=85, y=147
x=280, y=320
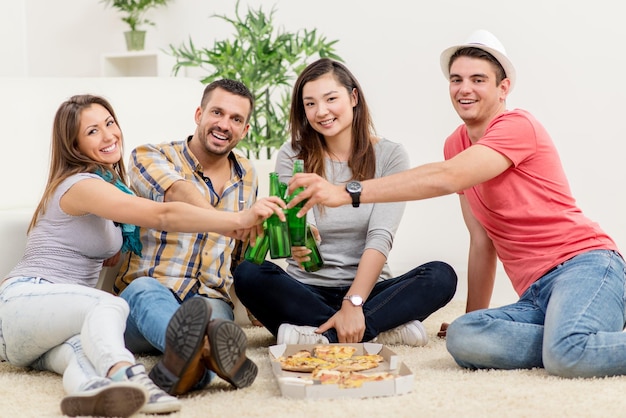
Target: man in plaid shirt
x=178, y=289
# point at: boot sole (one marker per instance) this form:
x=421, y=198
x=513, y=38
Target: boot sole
x=118, y=400
x=181, y=367
x=228, y=353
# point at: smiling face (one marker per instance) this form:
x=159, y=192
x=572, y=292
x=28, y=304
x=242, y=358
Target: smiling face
x=99, y=137
x=221, y=124
x=329, y=107
x=474, y=93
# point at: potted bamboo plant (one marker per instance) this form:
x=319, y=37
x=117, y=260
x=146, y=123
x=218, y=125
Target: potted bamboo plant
x=267, y=61
x=134, y=14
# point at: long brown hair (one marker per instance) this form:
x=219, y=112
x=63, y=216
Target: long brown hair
x=310, y=144
x=65, y=159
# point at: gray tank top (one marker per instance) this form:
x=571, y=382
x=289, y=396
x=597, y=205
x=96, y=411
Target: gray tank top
x=63, y=248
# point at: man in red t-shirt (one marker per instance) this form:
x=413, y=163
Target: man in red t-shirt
x=518, y=207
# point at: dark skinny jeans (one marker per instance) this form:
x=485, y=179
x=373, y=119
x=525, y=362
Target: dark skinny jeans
x=275, y=298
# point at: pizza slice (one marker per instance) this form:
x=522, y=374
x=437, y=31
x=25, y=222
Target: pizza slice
x=326, y=377
x=334, y=352
x=356, y=380
x=359, y=363
x=303, y=361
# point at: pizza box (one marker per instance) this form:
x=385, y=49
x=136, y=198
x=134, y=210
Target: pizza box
x=301, y=386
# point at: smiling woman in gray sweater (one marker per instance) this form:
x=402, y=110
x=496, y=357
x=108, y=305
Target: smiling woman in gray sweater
x=354, y=297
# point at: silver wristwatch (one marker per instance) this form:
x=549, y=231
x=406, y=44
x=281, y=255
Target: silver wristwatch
x=355, y=300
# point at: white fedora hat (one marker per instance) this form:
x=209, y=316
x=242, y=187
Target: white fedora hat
x=486, y=41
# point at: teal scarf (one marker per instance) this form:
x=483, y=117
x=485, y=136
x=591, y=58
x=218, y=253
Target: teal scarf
x=130, y=233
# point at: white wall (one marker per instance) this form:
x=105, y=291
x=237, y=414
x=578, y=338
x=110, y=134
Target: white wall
x=13, y=38
x=566, y=53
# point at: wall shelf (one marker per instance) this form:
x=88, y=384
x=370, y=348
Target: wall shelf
x=137, y=64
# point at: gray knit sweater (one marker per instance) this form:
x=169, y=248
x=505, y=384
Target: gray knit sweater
x=346, y=231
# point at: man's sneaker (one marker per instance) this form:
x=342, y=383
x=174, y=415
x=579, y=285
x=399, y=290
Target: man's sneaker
x=181, y=366
x=158, y=402
x=299, y=334
x=105, y=398
x=412, y=333
x=226, y=354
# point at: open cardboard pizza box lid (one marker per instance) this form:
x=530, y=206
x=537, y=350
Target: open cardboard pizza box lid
x=302, y=386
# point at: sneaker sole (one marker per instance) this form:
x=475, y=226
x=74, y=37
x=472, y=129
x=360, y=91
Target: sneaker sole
x=181, y=366
x=119, y=400
x=161, y=407
x=282, y=337
x=227, y=357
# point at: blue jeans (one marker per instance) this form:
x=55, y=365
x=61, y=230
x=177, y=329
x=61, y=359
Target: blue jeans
x=152, y=305
x=274, y=297
x=570, y=321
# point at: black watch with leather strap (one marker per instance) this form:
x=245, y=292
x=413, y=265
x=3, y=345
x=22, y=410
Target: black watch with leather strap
x=354, y=188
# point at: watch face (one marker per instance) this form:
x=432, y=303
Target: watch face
x=353, y=187
x=356, y=300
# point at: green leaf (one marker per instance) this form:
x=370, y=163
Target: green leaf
x=267, y=60
x=135, y=10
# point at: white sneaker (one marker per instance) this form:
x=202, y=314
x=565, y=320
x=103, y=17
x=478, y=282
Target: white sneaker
x=299, y=334
x=104, y=398
x=159, y=402
x=412, y=333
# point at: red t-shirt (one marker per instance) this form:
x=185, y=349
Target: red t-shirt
x=528, y=211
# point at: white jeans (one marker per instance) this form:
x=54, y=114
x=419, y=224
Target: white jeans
x=73, y=330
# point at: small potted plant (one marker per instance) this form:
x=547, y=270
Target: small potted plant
x=135, y=16
x=266, y=60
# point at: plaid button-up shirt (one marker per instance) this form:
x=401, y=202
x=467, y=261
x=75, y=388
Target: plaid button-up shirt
x=186, y=263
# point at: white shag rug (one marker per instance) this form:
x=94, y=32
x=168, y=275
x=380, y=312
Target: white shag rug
x=442, y=389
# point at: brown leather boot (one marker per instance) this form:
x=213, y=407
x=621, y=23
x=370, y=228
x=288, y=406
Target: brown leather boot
x=227, y=353
x=186, y=343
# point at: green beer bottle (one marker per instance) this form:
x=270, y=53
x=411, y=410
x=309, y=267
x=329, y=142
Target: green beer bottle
x=297, y=226
x=258, y=252
x=277, y=231
x=282, y=187
x=316, y=261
